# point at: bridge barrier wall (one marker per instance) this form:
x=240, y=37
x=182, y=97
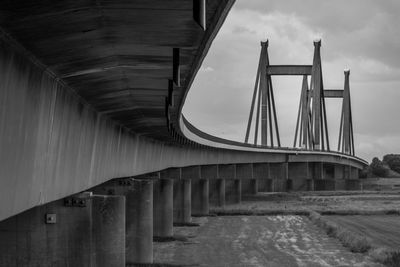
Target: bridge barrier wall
x=55, y=144
x=89, y=231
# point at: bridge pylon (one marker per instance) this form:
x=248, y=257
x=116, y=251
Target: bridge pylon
x=346, y=137
x=264, y=93
x=311, y=127
x=311, y=118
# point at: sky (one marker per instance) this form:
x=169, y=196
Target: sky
x=362, y=35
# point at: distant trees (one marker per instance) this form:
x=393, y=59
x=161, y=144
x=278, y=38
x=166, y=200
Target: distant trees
x=393, y=161
x=377, y=168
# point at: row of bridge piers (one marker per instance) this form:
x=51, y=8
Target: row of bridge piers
x=115, y=223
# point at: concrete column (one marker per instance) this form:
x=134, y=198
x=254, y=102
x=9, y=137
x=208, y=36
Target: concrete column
x=108, y=238
x=139, y=222
x=338, y=171
x=262, y=174
x=200, y=197
x=346, y=172
x=245, y=172
x=182, y=201
x=310, y=185
x=83, y=230
x=163, y=208
x=279, y=176
x=217, y=192
x=297, y=176
x=233, y=191
x=353, y=184
x=354, y=173
x=249, y=186
x=318, y=171
x=318, y=176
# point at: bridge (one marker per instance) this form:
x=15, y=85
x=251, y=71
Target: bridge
x=96, y=156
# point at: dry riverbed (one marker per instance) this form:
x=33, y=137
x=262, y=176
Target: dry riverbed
x=256, y=241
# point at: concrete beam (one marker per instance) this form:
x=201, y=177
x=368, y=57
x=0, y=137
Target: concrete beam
x=289, y=70
x=191, y=172
x=171, y=173
x=209, y=172
x=227, y=171
x=333, y=93
x=244, y=171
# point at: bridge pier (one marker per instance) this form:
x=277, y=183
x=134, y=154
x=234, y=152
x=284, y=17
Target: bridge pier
x=200, y=197
x=216, y=185
x=217, y=192
x=139, y=222
x=181, y=195
x=279, y=175
x=163, y=208
x=324, y=175
x=233, y=191
x=108, y=230
x=138, y=218
x=249, y=185
x=83, y=230
x=298, y=174
x=182, y=210
x=338, y=175
x=261, y=174
x=353, y=183
x=318, y=175
x=199, y=190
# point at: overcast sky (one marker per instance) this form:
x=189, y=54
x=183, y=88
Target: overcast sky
x=363, y=35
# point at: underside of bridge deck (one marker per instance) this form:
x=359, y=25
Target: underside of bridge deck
x=116, y=55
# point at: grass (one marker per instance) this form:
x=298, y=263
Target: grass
x=357, y=242
x=157, y=265
x=386, y=256
x=186, y=224
x=244, y=212
x=354, y=241
x=360, y=212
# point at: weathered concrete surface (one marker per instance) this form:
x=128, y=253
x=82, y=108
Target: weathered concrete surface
x=233, y=191
x=139, y=223
x=182, y=201
x=270, y=241
x=88, y=235
x=249, y=186
x=163, y=208
x=200, y=197
x=217, y=192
